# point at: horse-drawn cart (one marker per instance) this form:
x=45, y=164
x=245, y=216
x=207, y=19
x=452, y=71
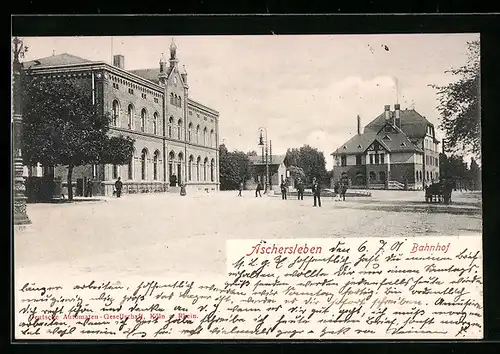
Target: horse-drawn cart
x=439, y=192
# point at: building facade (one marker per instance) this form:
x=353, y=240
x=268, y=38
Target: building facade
x=277, y=171
x=176, y=137
x=396, y=150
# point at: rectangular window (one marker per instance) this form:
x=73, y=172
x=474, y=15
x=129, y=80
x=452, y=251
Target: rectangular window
x=131, y=91
x=376, y=159
x=382, y=157
x=358, y=159
x=115, y=171
x=371, y=159
x=343, y=160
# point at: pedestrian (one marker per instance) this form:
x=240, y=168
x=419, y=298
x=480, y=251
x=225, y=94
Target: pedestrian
x=240, y=188
x=300, y=189
x=336, y=190
x=257, y=190
x=88, y=189
x=343, y=191
x=283, y=190
x=118, y=187
x=316, y=189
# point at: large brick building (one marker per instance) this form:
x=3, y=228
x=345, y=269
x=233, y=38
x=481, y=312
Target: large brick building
x=396, y=150
x=176, y=138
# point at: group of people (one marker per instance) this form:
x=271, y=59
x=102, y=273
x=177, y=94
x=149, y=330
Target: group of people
x=340, y=191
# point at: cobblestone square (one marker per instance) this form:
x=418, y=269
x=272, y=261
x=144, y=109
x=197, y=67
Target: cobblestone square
x=156, y=234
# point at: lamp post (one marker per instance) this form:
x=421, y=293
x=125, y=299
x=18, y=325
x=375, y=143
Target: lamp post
x=20, y=215
x=263, y=142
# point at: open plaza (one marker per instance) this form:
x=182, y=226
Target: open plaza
x=154, y=234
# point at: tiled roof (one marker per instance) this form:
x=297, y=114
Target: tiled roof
x=55, y=60
x=412, y=123
x=396, y=141
x=148, y=74
x=273, y=160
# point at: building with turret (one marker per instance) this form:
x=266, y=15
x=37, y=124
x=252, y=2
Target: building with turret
x=397, y=150
x=176, y=137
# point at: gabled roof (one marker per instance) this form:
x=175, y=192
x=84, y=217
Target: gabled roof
x=397, y=142
x=55, y=60
x=413, y=124
x=273, y=160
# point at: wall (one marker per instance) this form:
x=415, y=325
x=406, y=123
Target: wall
x=403, y=157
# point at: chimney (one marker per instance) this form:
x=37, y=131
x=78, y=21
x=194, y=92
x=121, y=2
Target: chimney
x=359, y=125
x=387, y=111
x=119, y=61
x=397, y=115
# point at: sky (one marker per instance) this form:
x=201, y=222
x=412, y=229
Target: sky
x=304, y=89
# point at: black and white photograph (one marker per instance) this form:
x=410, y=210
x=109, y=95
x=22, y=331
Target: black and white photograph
x=147, y=160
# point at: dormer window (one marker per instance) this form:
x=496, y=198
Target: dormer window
x=403, y=144
x=386, y=137
x=359, y=146
x=344, y=147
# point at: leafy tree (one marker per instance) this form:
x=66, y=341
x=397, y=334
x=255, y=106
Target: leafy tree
x=296, y=173
x=459, y=106
x=252, y=153
x=475, y=174
x=61, y=126
x=310, y=160
x=234, y=167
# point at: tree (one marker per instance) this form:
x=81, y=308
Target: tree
x=310, y=160
x=234, y=167
x=296, y=173
x=459, y=106
x=61, y=126
x=252, y=153
x=475, y=174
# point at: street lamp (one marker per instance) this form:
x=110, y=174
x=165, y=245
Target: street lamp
x=263, y=144
x=20, y=215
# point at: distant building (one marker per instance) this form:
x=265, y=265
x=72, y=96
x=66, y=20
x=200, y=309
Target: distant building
x=398, y=149
x=277, y=171
x=174, y=135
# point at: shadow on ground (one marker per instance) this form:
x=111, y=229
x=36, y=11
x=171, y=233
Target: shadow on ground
x=66, y=201
x=417, y=207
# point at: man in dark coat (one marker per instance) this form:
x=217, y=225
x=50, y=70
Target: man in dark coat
x=316, y=189
x=257, y=190
x=300, y=189
x=283, y=190
x=118, y=187
x=240, y=188
x=343, y=190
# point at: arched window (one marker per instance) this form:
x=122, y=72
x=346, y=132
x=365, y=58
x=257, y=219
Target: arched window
x=205, y=136
x=144, y=156
x=171, y=158
x=115, y=171
x=116, y=113
x=428, y=175
x=198, y=162
x=155, y=165
x=170, y=123
x=212, y=170
x=190, y=167
x=180, y=159
x=164, y=126
x=190, y=128
x=130, y=169
x=143, y=120
x=130, y=116
x=212, y=141
x=155, y=123
x=373, y=176
x=179, y=129
x=180, y=101
x=171, y=98
x=205, y=162
x=197, y=134
x=416, y=176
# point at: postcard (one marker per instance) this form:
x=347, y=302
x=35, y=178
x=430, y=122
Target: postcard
x=280, y=187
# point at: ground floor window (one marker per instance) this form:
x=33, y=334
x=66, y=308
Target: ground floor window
x=115, y=171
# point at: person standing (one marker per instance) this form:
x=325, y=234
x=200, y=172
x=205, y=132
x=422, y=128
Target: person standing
x=336, y=190
x=88, y=189
x=300, y=189
x=283, y=190
x=257, y=190
x=316, y=189
x=118, y=187
x=240, y=188
x=343, y=191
